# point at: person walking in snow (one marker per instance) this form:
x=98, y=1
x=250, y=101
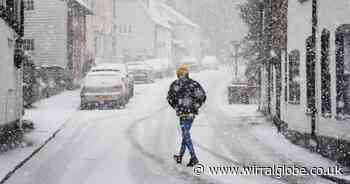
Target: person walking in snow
x=186, y=96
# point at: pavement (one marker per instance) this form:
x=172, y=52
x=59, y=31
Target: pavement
x=49, y=116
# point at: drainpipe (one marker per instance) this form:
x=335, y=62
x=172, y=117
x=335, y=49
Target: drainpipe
x=314, y=41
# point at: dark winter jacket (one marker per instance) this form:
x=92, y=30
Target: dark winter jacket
x=186, y=96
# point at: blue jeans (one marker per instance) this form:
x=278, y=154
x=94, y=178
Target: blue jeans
x=186, y=125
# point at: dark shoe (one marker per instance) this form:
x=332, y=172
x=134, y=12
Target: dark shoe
x=178, y=159
x=193, y=161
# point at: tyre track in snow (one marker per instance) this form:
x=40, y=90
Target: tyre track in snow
x=212, y=114
x=171, y=168
x=287, y=179
x=185, y=174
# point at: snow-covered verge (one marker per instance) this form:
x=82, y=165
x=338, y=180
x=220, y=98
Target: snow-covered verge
x=246, y=126
x=48, y=116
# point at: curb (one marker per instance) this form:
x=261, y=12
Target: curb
x=35, y=151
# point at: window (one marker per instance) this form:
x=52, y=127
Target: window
x=28, y=44
x=96, y=44
x=294, y=80
x=343, y=71
x=325, y=75
x=285, y=77
x=28, y=4
x=124, y=29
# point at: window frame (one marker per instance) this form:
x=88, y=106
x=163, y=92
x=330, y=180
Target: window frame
x=28, y=5
x=340, y=72
x=294, y=72
x=29, y=44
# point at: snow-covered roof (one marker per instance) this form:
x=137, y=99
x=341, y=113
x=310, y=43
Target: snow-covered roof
x=84, y=5
x=177, y=17
x=156, y=15
x=121, y=67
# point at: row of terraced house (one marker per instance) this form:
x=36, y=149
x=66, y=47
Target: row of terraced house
x=305, y=75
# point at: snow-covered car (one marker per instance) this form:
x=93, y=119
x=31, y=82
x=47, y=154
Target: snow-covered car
x=105, y=89
x=160, y=66
x=210, y=63
x=141, y=72
x=120, y=68
x=192, y=63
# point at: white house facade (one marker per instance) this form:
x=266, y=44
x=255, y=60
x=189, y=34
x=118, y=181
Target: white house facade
x=331, y=69
x=186, y=33
x=11, y=32
x=315, y=74
x=142, y=31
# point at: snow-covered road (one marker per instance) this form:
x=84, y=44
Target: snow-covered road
x=135, y=145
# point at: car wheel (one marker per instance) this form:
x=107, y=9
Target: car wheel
x=132, y=92
x=115, y=105
x=122, y=103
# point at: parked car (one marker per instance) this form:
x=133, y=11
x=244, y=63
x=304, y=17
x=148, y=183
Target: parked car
x=119, y=68
x=210, y=63
x=192, y=63
x=105, y=89
x=158, y=66
x=141, y=72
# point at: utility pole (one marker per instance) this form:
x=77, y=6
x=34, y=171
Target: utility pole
x=314, y=94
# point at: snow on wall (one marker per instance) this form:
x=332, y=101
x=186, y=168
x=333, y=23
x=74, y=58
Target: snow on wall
x=47, y=25
x=10, y=101
x=299, y=29
x=331, y=15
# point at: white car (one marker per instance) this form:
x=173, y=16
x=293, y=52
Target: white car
x=210, y=63
x=120, y=68
x=160, y=67
x=105, y=89
x=141, y=72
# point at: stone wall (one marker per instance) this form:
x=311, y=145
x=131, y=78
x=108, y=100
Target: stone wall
x=333, y=148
